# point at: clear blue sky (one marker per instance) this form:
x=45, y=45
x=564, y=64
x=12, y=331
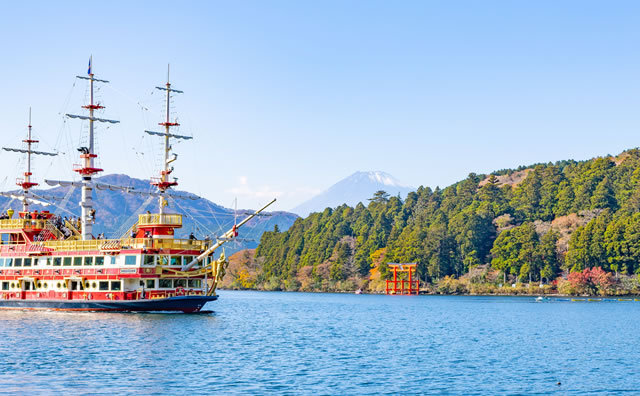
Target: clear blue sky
x=287, y=97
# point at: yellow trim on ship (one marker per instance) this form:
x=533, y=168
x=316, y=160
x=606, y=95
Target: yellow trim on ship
x=151, y=219
x=17, y=224
x=127, y=243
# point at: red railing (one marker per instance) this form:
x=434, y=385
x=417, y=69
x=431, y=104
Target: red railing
x=402, y=286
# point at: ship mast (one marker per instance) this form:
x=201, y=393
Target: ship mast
x=88, y=156
x=163, y=183
x=26, y=183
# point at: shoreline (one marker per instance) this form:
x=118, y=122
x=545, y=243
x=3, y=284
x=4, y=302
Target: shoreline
x=554, y=295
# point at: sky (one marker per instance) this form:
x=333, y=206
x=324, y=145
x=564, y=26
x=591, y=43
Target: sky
x=285, y=98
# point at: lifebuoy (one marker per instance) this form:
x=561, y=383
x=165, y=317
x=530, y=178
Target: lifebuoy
x=89, y=297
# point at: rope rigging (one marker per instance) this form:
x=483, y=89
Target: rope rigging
x=131, y=220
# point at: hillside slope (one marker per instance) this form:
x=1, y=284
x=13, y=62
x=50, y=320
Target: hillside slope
x=530, y=224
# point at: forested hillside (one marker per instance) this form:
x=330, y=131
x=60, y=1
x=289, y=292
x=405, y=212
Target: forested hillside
x=533, y=224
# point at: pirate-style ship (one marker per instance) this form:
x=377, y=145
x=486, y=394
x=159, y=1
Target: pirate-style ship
x=47, y=262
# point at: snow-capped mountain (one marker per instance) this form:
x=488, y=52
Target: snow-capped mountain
x=356, y=188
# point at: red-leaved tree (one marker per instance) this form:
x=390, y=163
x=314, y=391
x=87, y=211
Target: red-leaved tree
x=592, y=281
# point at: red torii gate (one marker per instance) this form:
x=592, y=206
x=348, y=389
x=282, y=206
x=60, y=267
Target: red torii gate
x=406, y=286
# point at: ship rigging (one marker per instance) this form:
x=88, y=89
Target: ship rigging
x=47, y=262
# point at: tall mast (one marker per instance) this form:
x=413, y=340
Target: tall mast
x=26, y=182
x=163, y=182
x=88, y=155
x=27, y=174
x=167, y=124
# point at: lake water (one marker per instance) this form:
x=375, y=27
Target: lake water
x=329, y=344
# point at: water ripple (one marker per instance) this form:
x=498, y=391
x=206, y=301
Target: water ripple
x=328, y=344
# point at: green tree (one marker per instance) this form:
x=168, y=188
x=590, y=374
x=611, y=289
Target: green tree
x=380, y=197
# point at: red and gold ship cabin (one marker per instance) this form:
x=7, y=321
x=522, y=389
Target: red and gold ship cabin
x=43, y=259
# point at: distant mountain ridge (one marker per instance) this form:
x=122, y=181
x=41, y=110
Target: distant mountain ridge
x=116, y=211
x=358, y=187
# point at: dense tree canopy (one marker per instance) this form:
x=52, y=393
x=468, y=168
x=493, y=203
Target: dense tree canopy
x=513, y=220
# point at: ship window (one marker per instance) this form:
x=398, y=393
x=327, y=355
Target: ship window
x=115, y=285
x=77, y=261
x=175, y=260
x=113, y=260
x=88, y=261
x=104, y=285
x=148, y=260
x=56, y=261
x=150, y=284
x=5, y=285
x=1, y=262
x=194, y=283
x=74, y=285
x=180, y=283
x=166, y=283
x=8, y=262
x=99, y=260
x=163, y=260
x=130, y=260
x=66, y=261
x=17, y=262
x=187, y=260
x=27, y=285
x=27, y=262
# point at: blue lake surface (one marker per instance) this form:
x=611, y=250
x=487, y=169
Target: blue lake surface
x=329, y=344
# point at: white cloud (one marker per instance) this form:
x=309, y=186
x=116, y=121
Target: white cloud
x=244, y=189
x=304, y=191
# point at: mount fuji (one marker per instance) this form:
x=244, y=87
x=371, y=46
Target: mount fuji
x=358, y=187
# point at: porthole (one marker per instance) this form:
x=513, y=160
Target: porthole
x=58, y=285
x=94, y=285
x=13, y=285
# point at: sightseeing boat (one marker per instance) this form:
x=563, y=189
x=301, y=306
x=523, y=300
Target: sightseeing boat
x=53, y=263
